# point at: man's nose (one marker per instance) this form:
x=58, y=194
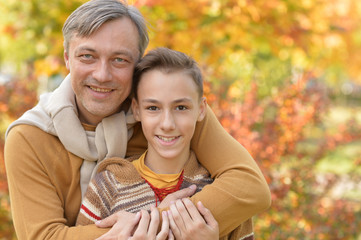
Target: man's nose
x=102, y=72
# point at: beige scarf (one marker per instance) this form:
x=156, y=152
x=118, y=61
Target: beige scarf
x=57, y=114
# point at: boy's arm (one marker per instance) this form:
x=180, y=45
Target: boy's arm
x=92, y=204
x=239, y=190
x=38, y=208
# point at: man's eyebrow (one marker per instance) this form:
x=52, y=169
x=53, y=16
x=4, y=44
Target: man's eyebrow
x=124, y=52
x=121, y=52
x=85, y=49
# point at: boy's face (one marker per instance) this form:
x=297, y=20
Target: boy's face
x=168, y=107
x=101, y=68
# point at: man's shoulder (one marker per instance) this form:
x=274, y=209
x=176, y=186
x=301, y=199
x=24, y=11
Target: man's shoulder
x=33, y=136
x=28, y=131
x=122, y=169
x=26, y=140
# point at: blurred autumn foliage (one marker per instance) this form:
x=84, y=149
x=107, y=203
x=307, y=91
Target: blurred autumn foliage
x=275, y=72
x=275, y=132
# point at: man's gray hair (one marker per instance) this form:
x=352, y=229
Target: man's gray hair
x=90, y=16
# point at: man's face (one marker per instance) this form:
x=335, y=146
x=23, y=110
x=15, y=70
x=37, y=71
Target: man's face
x=101, y=68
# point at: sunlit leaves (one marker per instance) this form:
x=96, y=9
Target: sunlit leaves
x=275, y=131
x=255, y=56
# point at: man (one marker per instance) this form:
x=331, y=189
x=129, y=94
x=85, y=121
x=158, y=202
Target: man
x=52, y=151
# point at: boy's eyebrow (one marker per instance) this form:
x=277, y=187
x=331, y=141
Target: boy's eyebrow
x=183, y=100
x=151, y=100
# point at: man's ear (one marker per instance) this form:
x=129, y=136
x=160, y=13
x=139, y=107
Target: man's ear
x=135, y=109
x=202, y=109
x=66, y=59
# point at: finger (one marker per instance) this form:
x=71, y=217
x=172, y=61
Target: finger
x=208, y=217
x=181, y=216
x=142, y=228
x=170, y=235
x=175, y=232
x=107, y=222
x=120, y=231
x=193, y=211
x=127, y=229
x=154, y=222
x=144, y=220
x=165, y=227
x=185, y=192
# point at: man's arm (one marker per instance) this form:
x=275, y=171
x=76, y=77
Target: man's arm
x=44, y=189
x=239, y=190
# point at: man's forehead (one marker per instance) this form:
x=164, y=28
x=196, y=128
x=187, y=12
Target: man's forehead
x=120, y=42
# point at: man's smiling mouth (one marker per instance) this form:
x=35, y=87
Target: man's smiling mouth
x=102, y=90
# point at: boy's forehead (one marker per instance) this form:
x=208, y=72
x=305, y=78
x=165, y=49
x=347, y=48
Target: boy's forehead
x=178, y=82
x=167, y=75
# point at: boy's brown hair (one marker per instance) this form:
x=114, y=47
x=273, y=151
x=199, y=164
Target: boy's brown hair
x=167, y=61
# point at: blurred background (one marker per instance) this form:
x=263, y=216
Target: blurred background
x=282, y=76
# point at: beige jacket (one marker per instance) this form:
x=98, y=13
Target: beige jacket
x=45, y=193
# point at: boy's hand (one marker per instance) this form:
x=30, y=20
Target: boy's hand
x=122, y=225
x=190, y=222
x=184, y=193
x=148, y=226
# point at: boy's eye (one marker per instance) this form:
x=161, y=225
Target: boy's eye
x=181, y=107
x=152, y=108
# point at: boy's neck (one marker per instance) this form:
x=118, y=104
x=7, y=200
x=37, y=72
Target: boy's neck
x=162, y=165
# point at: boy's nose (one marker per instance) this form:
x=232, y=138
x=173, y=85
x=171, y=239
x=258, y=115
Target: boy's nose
x=168, y=122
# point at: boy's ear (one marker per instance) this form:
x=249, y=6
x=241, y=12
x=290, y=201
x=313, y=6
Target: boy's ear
x=135, y=109
x=202, y=109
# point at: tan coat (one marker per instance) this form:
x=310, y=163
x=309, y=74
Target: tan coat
x=45, y=194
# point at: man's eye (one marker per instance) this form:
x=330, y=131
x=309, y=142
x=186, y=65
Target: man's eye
x=86, y=56
x=119, y=60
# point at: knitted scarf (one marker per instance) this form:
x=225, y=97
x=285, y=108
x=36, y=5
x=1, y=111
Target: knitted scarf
x=57, y=114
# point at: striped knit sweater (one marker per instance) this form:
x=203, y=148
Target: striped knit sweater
x=118, y=186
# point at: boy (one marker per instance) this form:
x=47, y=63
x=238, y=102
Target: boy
x=168, y=101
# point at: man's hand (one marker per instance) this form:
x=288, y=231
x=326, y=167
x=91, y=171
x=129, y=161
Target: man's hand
x=122, y=225
x=148, y=226
x=184, y=193
x=190, y=222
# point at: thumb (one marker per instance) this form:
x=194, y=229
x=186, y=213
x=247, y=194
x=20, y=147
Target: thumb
x=106, y=222
x=185, y=192
x=207, y=215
